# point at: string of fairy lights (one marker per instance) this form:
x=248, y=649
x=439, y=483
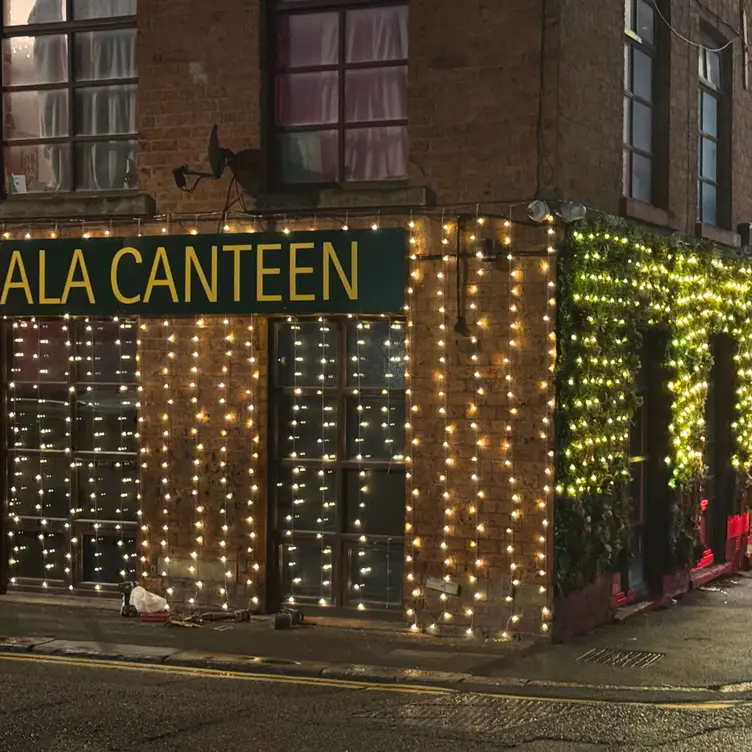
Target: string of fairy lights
x=464, y=490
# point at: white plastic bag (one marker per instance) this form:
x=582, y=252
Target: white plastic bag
x=146, y=602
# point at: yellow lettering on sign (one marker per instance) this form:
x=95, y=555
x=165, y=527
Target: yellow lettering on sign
x=192, y=262
x=236, y=250
x=114, y=275
x=350, y=285
x=77, y=262
x=43, y=299
x=160, y=260
x=295, y=270
x=262, y=271
x=16, y=261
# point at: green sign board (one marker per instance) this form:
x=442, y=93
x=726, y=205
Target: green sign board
x=317, y=272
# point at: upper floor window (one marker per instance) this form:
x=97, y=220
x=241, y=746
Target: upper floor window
x=69, y=95
x=639, y=100
x=340, y=93
x=712, y=83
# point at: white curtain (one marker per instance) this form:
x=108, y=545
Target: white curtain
x=99, y=110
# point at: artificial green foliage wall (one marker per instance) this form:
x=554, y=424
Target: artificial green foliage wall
x=614, y=281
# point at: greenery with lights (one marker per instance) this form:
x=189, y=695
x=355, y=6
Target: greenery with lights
x=615, y=281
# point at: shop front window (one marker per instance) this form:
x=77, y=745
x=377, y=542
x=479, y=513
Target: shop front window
x=72, y=462
x=339, y=443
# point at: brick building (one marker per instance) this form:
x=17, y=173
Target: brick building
x=393, y=459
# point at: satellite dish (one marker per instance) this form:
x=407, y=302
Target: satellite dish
x=245, y=166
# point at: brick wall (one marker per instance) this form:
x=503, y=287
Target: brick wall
x=479, y=489
x=590, y=105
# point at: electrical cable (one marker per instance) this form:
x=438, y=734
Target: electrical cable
x=679, y=35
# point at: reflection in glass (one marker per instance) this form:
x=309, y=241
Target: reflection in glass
x=106, y=351
x=375, y=575
x=20, y=69
x=39, y=556
x=306, y=570
x=29, y=12
x=40, y=486
x=375, y=502
x=109, y=559
x=307, y=354
x=35, y=114
x=377, y=354
x=107, y=421
x=39, y=417
x=307, y=427
x=40, y=350
x=306, y=498
x=376, y=427
x=107, y=489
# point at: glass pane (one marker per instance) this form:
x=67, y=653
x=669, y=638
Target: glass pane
x=713, y=71
x=40, y=350
x=645, y=21
x=708, y=203
x=108, y=489
x=307, y=427
x=708, y=114
x=307, y=39
x=39, y=556
x=106, y=421
x=376, y=354
x=106, y=351
x=376, y=34
x=307, y=98
x=708, y=158
x=308, y=157
x=108, y=559
x=106, y=166
x=40, y=486
x=37, y=169
x=103, y=8
x=35, y=114
x=642, y=178
x=35, y=60
x=642, y=126
x=375, y=575
x=306, y=570
x=626, y=175
x=642, y=80
x=627, y=120
x=627, y=67
x=306, y=498
x=376, y=427
x=375, y=502
x=101, y=55
x=39, y=417
x=376, y=153
x=105, y=110
x=307, y=354
x=23, y=12
x=376, y=94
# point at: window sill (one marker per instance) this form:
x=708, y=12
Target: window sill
x=72, y=206
x=718, y=235
x=648, y=213
x=372, y=196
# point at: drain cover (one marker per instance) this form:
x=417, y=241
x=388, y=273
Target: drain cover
x=620, y=658
x=472, y=714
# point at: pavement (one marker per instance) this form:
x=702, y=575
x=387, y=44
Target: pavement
x=696, y=650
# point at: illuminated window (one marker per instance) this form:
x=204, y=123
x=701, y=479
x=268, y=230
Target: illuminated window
x=69, y=95
x=340, y=92
x=339, y=427
x=73, y=499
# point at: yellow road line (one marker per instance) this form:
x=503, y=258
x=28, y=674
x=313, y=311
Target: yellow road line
x=418, y=689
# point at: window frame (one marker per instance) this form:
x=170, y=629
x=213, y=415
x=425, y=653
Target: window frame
x=721, y=94
x=634, y=42
x=68, y=28
x=81, y=526
x=340, y=539
x=310, y=7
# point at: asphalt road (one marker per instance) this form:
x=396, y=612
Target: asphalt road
x=71, y=705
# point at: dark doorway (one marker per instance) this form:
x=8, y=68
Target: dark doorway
x=720, y=414
x=649, y=488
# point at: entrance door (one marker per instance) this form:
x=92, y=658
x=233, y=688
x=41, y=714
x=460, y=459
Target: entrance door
x=337, y=439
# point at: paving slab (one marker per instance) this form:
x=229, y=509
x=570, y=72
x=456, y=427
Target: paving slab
x=247, y=663
x=22, y=644
x=105, y=650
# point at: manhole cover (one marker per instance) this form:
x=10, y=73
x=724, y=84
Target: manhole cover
x=620, y=658
x=471, y=714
